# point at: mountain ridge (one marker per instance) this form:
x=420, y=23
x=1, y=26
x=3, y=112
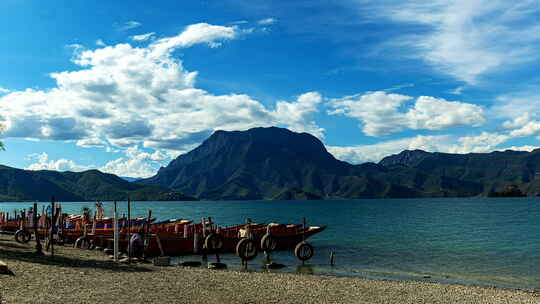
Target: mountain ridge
x=276, y=163
x=42, y=185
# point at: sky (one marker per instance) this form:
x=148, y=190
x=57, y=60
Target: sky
x=125, y=86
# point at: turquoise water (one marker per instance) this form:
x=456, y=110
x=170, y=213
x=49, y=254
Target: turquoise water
x=481, y=241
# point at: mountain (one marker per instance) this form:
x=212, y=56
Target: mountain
x=494, y=172
x=272, y=163
x=275, y=163
x=25, y=185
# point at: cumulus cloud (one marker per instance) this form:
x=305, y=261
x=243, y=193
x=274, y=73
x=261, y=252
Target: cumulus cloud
x=296, y=115
x=528, y=129
x=380, y=115
x=44, y=163
x=464, y=39
x=134, y=163
x=122, y=96
x=142, y=37
x=4, y=91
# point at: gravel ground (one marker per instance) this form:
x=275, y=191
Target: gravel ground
x=78, y=276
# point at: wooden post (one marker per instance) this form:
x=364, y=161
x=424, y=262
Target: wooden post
x=146, y=233
x=129, y=231
x=332, y=258
x=304, y=230
x=39, y=248
x=115, y=234
x=51, y=235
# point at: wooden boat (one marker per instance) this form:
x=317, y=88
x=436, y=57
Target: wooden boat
x=173, y=244
x=170, y=237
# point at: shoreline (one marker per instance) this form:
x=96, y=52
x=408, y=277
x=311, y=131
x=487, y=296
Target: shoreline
x=82, y=276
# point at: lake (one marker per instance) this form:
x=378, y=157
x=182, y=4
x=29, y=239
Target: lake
x=481, y=241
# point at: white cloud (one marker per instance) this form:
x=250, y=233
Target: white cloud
x=530, y=128
x=129, y=168
x=123, y=96
x=296, y=115
x=91, y=143
x=376, y=152
x=380, y=116
x=44, y=163
x=100, y=42
x=135, y=163
x=128, y=25
x=520, y=148
x=142, y=37
x=465, y=39
x=239, y=22
x=457, y=91
x=194, y=34
x=4, y=91
x=267, y=21
x=485, y=142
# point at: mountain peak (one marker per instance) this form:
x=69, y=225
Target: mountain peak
x=406, y=158
x=246, y=161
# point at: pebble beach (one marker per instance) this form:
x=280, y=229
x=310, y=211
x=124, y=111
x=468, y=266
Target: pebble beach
x=82, y=276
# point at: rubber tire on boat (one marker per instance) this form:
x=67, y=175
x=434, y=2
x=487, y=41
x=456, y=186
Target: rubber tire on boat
x=213, y=242
x=246, y=249
x=82, y=242
x=22, y=236
x=268, y=243
x=304, y=251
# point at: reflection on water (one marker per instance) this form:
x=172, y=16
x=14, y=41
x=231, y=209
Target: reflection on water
x=490, y=241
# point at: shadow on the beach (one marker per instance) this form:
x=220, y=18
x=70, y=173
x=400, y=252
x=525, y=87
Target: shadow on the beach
x=12, y=245
x=63, y=261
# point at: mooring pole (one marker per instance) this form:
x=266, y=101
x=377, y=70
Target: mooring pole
x=39, y=248
x=146, y=236
x=129, y=232
x=115, y=234
x=51, y=235
x=304, y=230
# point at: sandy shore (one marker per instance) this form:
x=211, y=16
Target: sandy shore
x=78, y=276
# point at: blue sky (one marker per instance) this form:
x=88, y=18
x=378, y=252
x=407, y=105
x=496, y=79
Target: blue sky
x=125, y=86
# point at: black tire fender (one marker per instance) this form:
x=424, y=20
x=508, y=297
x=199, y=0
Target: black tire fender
x=81, y=242
x=268, y=243
x=304, y=251
x=22, y=236
x=246, y=249
x=213, y=242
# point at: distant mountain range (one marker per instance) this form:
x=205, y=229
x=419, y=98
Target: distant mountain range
x=25, y=185
x=275, y=163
